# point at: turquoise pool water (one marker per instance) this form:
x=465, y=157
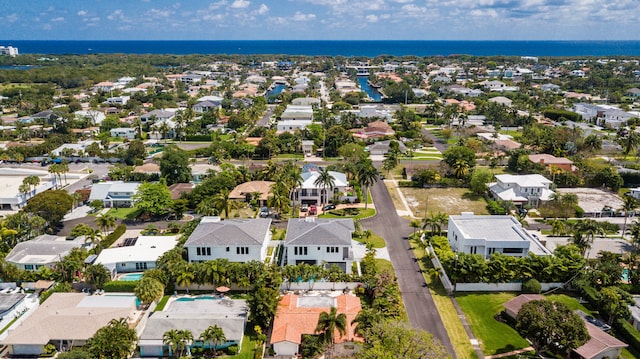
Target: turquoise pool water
x=625, y=275
x=131, y=277
x=202, y=297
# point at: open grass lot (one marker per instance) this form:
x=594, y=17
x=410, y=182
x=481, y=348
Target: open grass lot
x=445, y=200
x=495, y=337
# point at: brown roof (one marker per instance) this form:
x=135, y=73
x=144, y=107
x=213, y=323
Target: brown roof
x=599, y=342
x=516, y=303
x=243, y=189
x=292, y=321
x=148, y=167
x=549, y=159
x=177, y=189
x=508, y=144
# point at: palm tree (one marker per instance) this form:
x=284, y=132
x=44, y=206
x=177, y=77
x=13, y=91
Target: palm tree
x=24, y=189
x=32, y=181
x=365, y=320
x=367, y=176
x=629, y=204
x=461, y=168
x=186, y=339
x=325, y=179
x=64, y=169
x=171, y=339
x=94, y=236
x=328, y=323
x=105, y=221
x=214, y=336
x=207, y=207
x=222, y=202
x=584, y=233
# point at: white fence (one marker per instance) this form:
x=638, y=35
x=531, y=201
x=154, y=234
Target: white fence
x=303, y=286
x=500, y=287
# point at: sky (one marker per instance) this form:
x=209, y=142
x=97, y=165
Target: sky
x=320, y=20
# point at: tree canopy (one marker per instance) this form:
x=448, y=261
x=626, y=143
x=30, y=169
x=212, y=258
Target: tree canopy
x=174, y=165
x=153, y=198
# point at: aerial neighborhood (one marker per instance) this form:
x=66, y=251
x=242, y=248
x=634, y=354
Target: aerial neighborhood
x=245, y=206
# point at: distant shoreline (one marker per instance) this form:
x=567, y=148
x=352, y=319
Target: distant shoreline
x=364, y=48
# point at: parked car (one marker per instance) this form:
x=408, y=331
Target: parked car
x=264, y=212
x=313, y=210
x=329, y=207
x=304, y=208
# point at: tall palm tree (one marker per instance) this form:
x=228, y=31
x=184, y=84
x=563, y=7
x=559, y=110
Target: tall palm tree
x=461, y=168
x=105, y=222
x=185, y=278
x=584, y=232
x=94, y=237
x=213, y=335
x=629, y=204
x=328, y=323
x=222, y=202
x=24, y=189
x=207, y=207
x=325, y=179
x=367, y=176
x=33, y=181
x=171, y=339
x=186, y=339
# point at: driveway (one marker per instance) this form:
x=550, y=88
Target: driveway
x=418, y=302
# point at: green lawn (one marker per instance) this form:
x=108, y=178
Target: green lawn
x=162, y=303
x=495, y=337
x=124, y=213
x=8, y=325
x=353, y=212
x=384, y=265
x=570, y=302
x=374, y=239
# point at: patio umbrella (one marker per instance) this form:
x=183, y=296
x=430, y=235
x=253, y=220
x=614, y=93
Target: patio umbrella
x=223, y=289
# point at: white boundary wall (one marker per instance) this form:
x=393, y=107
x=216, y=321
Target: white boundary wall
x=500, y=287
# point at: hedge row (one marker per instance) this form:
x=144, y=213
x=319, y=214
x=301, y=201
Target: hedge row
x=112, y=237
x=120, y=286
x=628, y=333
x=198, y=138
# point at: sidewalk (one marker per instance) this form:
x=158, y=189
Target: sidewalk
x=407, y=212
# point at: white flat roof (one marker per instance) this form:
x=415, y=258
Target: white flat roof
x=146, y=249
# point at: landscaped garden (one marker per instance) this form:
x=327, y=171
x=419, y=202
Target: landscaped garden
x=349, y=212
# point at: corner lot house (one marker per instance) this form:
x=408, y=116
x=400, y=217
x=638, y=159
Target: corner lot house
x=298, y=314
x=67, y=320
x=114, y=194
x=237, y=240
x=137, y=255
x=311, y=193
x=486, y=235
x=318, y=241
x=44, y=250
x=521, y=190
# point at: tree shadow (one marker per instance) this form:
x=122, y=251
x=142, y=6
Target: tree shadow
x=472, y=196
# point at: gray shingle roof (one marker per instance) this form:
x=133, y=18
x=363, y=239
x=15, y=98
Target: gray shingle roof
x=229, y=232
x=321, y=231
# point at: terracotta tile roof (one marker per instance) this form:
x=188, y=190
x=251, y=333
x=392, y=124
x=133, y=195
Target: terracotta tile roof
x=241, y=190
x=149, y=167
x=599, y=342
x=516, y=303
x=292, y=321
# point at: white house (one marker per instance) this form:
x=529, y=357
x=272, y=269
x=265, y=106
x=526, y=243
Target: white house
x=95, y=116
x=11, y=198
x=297, y=112
x=237, y=240
x=140, y=255
x=486, y=235
x=206, y=106
x=43, y=251
x=494, y=85
x=114, y=194
x=124, y=132
x=319, y=241
x=158, y=115
x=311, y=193
x=292, y=125
x=118, y=100
x=521, y=189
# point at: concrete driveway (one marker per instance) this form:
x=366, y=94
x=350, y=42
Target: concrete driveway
x=419, y=304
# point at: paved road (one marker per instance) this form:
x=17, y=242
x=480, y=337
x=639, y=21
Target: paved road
x=418, y=301
x=264, y=121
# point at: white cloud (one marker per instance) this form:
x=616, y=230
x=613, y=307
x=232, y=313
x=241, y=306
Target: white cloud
x=240, y=4
x=115, y=15
x=371, y=18
x=402, y=1
x=11, y=18
x=82, y=13
x=46, y=27
x=57, y=19
x=298, y=16
x=484, y=13
x=263, y=9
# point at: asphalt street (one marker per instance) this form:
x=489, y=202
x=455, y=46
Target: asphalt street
x=419, y=304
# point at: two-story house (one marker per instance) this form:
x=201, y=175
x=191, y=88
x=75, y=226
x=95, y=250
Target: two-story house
x=486, y=235
x=114, y=194
x=123, y=132
x=311, y=193
x=522, y=189
x=237, y=240
x=319, y=241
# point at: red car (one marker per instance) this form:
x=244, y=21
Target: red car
x=313, y=210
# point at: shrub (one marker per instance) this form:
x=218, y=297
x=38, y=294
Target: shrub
x=579, y=211
x=531, y=286
x=120, y=286
x=495, y=208
x=232, y=350
x=628, y=333
x=112, y=237
x=408, y=184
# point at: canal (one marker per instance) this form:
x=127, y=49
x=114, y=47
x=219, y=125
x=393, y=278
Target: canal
x=372, y=92
x=272, y=94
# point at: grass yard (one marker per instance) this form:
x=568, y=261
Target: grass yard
x=384, y=265
x=162, y=303
x=495, y=337
x=124, y=213
x=453, y=325
x=445, y=200
x=246, y=351
x=351, y=212
x=374, y=239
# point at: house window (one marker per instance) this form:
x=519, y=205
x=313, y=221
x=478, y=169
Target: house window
x=314, y=192
x=123, y=264
x=141, y=265
x=28, y=267
x=242, y=250
x=203, y=251
x=512, y=250
x=300, y=251
x=332, y=249
x=227, y=249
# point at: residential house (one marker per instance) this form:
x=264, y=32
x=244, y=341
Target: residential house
x=11, y=198
x=600, y=344
x=237, y=240
x=486, y=235
x=311, y=193
x=137, y=254
x=306, y=101
x=68, y=320
x=114, y=194
x=501, y=100
x=43, y=251
x=521, y=189
x=319, y=241
x=297, y=113
x=550, y=88
x=494, y=85
x=245, y=191
x=383, y=147
x=298, y=315
x=206, y=106
x=124, y=132
x=548, y=161
x=118, y=100
x=307, y=147
x=292, y=125
x=633, y=93
x=375, y=129
x=104, y=86
x=158, y=115
x=96, y=117
x=194, y=314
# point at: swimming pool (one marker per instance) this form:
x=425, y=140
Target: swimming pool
x=131, y=277
x=191, y=299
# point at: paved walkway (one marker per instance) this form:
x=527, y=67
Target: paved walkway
x=418, y=302
x=519, y=351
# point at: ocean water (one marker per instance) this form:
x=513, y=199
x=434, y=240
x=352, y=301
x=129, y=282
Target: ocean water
x=334, y=48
